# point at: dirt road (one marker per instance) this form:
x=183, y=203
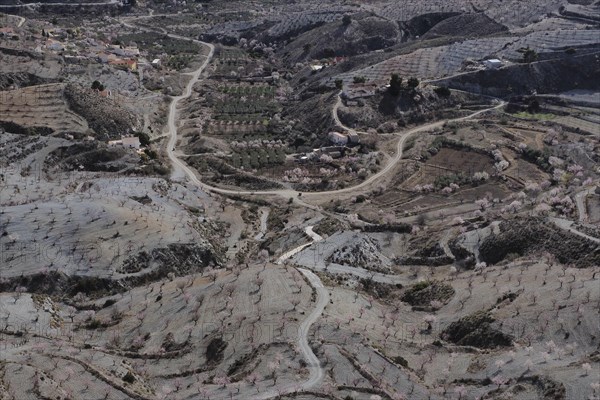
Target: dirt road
x=316, y=371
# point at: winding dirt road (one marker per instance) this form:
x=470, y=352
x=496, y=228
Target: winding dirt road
x=399, y=151
x=181, y=167
x=316, y=371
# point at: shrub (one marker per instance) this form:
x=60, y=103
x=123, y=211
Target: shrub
x=401, y=361
x=395, y=85
x=96, y=85
x=109, y=303
x=412, y=83
x=420, y=286
x=128, y=377
x=144, y=138
x=442, y=91
x=529, y=55
x=93, y=324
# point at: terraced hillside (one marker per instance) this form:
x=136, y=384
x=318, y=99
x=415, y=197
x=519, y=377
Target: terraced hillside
x=437, y=62
x=40, y=106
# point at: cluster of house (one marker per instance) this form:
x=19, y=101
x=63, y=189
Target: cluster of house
x=122, y=57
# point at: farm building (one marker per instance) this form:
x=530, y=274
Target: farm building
x=358, y=91
x=332, y=151
x=130, y=142
x=156, y=63
x=353, y=138
x=126, y=64
x=492, y=63
x=338, y=138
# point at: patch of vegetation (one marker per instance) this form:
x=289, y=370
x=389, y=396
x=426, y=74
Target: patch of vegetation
x=537, y=157
x=144, y=138
x=378, y=290
x=529, y=55
x=258, y=157
x=423, y=293
x=442, y=141
x=395, y=85
x=400, y=361
x=277, y=219
x=442, y=91
x=458, y=179
x=96, y=85
x=128, y=377
x=398, y=228
x=215, y=350
x=476, y=330
x=180, y=61
x=156, y=44
x=328, y=226
x=526, y=235
x=537, y=116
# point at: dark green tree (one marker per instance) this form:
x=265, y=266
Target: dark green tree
x=442, y=91
x=144, y=138
x=346, y=20
x=339, y=84
x=529, y=55
x=96, y=85
x=395, y=85
x=412, y=83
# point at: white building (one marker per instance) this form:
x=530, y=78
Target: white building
x=337, y=138
x=492, y=63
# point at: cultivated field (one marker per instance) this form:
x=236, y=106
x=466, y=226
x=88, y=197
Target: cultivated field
x=40, y=106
